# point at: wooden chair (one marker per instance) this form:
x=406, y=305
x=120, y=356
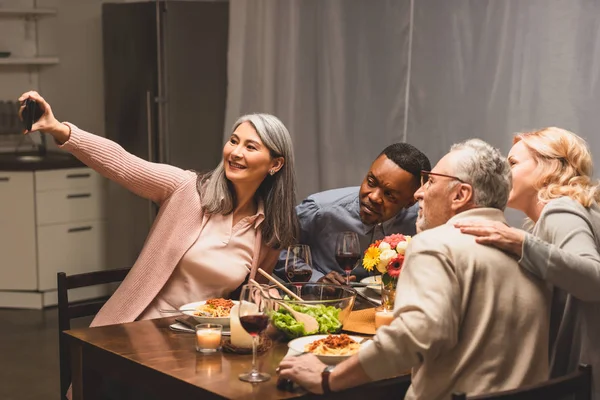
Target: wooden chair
x=577, y=385
x=68, y=311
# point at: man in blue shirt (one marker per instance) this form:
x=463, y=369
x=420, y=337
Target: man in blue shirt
x=384, y=204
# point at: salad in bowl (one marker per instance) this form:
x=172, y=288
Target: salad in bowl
x=329, y=304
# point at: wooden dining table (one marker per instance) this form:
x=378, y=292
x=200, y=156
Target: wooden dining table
x=155, y=362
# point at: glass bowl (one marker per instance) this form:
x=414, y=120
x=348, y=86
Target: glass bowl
x=329, y=304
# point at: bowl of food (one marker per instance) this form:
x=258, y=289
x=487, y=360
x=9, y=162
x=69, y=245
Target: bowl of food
x=330, y=349
x=211, y=311
x=328, y=304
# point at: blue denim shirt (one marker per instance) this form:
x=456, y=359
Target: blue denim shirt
x=323, y=215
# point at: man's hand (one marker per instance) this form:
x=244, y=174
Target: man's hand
x=335, y=278
x=304, y=370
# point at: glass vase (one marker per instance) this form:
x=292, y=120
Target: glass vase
x=388, y=293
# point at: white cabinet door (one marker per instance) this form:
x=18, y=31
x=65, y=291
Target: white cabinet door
x=63, y=179
x=71, y=205
x=17, y=232
x=72, y=248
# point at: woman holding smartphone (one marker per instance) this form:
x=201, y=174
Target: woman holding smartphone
x=212, y=230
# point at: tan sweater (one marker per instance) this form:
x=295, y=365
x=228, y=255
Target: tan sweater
x=176, y=228
x=468, y=318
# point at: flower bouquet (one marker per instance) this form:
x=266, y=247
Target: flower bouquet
x=387, y=256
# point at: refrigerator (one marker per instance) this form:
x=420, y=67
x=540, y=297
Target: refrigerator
x=165, y=85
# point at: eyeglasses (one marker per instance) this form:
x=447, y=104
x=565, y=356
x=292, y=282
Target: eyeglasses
x=425, y=177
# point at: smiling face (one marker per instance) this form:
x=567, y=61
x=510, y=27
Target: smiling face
x=522, y=167
x=246, y=159
x=435, y=196
x=385, y=191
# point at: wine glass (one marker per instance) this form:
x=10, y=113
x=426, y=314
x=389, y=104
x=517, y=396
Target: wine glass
x=252, y=311
x=298, y=264
x=347, y=252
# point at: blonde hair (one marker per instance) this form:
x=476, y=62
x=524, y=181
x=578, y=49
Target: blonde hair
x=564, y=165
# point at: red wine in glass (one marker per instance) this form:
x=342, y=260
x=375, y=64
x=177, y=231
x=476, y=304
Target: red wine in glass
x=254, y=324
x=253, y=314
x=298, y=265
x=299, y=275
x=347, y=252
x=347, y=261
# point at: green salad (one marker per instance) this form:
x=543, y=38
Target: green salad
x=326, y=316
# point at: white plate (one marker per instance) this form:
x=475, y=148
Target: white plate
x=298, y=345
x=204, y=320
x=370, y=294
x=374, y=283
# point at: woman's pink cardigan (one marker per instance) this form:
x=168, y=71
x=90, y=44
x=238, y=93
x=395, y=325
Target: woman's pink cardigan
x=177, y=226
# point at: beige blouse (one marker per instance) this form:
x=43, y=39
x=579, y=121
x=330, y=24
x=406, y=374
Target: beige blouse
x=215, y=265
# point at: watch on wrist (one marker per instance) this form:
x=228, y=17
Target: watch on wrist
x=325, y=378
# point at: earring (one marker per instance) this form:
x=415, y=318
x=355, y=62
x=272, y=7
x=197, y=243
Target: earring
x=272, y=172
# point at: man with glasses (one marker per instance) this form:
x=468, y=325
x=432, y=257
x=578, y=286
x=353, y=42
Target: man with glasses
x=384, y=204
x=442, y=211
x=467, y=318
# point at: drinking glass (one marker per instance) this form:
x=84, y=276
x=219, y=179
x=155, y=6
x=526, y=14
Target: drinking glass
x=347, y=252
x=298, y=264
x=252, y=311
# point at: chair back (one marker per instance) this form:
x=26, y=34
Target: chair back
x=70, y=310
x=576, y=386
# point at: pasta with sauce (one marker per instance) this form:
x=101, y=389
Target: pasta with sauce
x=215, y=308
x=333, y=345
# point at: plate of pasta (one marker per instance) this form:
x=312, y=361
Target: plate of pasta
x=211, y=311
x=330, y=349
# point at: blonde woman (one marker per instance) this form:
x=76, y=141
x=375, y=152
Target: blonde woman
x=551, y=172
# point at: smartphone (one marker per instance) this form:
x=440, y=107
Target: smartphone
x=31, y=113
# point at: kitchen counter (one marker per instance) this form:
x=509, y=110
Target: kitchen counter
x=34, y=162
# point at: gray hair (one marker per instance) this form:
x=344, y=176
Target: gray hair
x=278, y=192
x=486, y=170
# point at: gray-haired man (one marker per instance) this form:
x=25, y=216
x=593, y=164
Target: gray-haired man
x=467, y=318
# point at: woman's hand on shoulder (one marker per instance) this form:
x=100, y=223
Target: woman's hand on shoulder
x=47, y=122
x=494, y=233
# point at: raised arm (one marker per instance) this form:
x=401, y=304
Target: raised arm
x=567, y=253
x=149, y=180
x=146, y=179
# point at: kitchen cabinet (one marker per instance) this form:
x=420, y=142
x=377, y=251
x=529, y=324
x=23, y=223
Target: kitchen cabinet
x=17, y=231
x=50, y=221
x=26, y=49
x=29, y=16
